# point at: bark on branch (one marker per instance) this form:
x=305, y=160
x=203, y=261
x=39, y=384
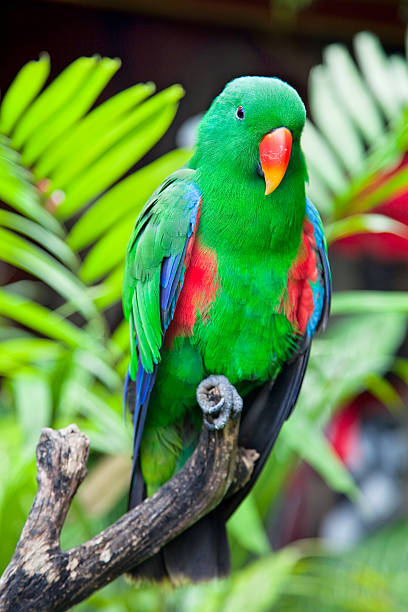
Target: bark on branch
x=41, y=576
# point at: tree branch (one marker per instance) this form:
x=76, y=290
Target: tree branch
x=41, y=576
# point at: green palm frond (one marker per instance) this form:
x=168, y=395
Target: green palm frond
x=359, y=129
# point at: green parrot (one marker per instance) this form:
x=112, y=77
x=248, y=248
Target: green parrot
x=226, y=273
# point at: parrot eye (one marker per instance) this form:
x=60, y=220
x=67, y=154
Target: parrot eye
x=240, y=113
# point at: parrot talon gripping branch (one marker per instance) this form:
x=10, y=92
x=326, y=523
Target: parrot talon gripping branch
x=226, y=274
x=217, y=399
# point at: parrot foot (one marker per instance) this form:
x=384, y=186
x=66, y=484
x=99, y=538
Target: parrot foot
x=218, y=399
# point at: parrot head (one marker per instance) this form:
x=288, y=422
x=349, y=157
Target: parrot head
x=252, y=129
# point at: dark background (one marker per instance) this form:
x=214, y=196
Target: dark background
x=197, y=43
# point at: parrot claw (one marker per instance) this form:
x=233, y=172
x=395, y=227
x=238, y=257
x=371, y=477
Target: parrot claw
x=218, y=399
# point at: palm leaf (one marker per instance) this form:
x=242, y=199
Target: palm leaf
x=359, y=127
x=22, y=91
x=128, y=196
x=44, y=321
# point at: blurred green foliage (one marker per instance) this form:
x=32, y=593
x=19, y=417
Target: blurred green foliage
x=69, y=208
x=62, y=353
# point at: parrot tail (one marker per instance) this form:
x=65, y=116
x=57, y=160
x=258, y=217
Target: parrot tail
x=198, y=554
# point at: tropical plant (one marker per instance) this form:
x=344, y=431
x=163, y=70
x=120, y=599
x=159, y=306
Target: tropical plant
x=356, y=144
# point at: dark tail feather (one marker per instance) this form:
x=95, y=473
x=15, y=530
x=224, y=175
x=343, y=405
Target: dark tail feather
x=137, y=492
x=200, y=553
x=152, y=569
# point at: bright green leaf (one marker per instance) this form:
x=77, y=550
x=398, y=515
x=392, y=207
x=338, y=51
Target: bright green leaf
x=115, y=136
x=246, y=527
x=99, y=368
x=34, y=404
x=24, y=197
x=102, y=417
x=52, y=99
x=120, y=336
x=18, y=353
x=22, y=254
x=306, y=439
x=115, y=162
x=45, y=238
x=400, y=368
x=22, y=91
x=46, y=136
x=41, y=319
x=90, y=129
x=110, y=290
x=96, y=264
x=128, y=195
x=349, y=302
x=258, y=586
x=385, y=191
x=383, y=390
x=341, y=360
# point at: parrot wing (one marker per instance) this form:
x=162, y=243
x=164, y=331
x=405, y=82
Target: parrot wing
x=156, y=259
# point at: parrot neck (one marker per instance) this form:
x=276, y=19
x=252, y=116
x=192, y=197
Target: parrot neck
x=237, y=215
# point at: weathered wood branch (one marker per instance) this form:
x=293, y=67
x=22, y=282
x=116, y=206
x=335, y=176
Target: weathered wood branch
x=41, y=576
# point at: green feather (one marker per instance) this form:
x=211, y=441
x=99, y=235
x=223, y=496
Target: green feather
x=142, y=341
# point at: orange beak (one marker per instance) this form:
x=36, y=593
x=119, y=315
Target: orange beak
x=274, y=151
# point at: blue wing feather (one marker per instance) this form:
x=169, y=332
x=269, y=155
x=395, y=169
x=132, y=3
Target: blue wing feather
x=322, y=287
